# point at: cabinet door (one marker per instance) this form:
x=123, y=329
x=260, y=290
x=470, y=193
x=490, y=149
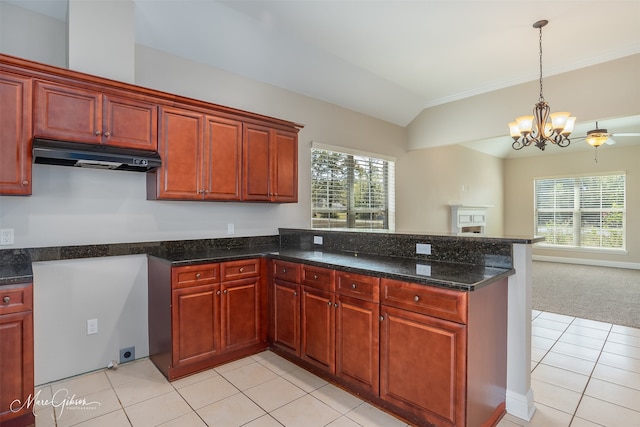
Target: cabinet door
x=15, y=134
x=130, y=123
x=423, y=365
x=285, y=328
x=317, y=319
x=67, y=113
x=195, y=324
x=180, y=147
x=16, y=360
x=256, y=165
x=223, y=159
x=241, y=314
x=284, y=173
x=357, y=343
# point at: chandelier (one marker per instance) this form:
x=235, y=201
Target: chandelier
x=542, y=127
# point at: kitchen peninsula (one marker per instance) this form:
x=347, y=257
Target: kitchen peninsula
x=472, y=272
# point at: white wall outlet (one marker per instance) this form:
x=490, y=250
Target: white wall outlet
x=6, y=236
x=92, y=326
x=317, y=240
x=231, y=229
x=423, y=248
x=423, y=270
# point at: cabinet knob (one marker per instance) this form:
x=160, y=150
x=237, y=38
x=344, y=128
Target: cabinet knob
x=381, y=318
x=315, y=277
x=218, y=293
x=98, y=133
x=335, y=305
x=198, y=275
x=225, y=291
x=295, y=294
x=353, y=286
x=241, y=269
x=107, y=134
x=6, y=299
x=416, y=298
x=25, y=182
x=329, y=303
x=284, y=270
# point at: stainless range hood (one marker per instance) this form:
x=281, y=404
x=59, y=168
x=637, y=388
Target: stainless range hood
x=63, y=153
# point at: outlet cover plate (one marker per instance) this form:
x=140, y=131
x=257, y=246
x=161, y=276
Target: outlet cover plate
x=423, y=248
x=127, y=354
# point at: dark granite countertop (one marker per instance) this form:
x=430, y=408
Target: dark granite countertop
x=15, y=273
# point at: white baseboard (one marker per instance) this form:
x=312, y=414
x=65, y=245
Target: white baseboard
x=582, y=261
x=520, y=405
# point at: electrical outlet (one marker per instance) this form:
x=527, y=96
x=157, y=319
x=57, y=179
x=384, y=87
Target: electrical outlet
x=423, y=248
x=231, y=229
x=92, y=326
x=6, y=236
x=317, y=240
x=127, y=354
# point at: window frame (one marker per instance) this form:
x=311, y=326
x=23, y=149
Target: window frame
x=578, y=213
x=355, y=157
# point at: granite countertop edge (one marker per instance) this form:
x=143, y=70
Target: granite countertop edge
x=463, y=277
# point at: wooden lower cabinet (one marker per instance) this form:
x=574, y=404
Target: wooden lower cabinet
x=423, y=365
x=317, y=319
x=285, y=317
x=205, y=314
x=16, y=355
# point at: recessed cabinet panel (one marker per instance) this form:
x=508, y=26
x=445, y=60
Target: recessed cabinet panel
x=223, y=159
x=286, y=167
x=257, y=166
x=241, y=308
x=15, y=134
x=285, y=328
x=67, y=113
x=318, y=328
x=130, y=123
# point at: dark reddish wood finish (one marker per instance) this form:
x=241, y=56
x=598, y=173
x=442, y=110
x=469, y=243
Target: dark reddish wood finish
x=16, y=354
x=130, y=123
x=284, y=170
x=285, y=316
x=317, y=324
x=318, y=277
x=357, y=343
x=257, y=184
x=222, y=158
x=242, y=311
x=358, y=286
x=15, y=134
x=423, y=365
x=285, y=270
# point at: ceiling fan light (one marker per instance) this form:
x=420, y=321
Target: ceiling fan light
x=525, y=123
x=559, y=119
x=597, y=139
x=568, y=127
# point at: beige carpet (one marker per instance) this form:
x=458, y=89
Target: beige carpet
x=606, y=294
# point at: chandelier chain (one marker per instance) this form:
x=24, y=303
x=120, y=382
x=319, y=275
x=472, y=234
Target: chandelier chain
x=541, y=99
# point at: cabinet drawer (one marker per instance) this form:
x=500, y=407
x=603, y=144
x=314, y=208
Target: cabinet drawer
x=288, y=271
x=234, y=270
x=318, y=277
x=437, y=302
x=194, y=275
x=358, y=286
x=16, y=298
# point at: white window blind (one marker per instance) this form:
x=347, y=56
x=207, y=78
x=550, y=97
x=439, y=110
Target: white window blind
x=587, y=211
x=351, y=190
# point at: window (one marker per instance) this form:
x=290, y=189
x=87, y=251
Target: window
x=586, y=212
x=351, y=190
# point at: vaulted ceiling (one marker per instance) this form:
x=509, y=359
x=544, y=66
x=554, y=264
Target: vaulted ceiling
x=389, y=59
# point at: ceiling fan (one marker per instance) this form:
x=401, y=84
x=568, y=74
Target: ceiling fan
x=596, y=137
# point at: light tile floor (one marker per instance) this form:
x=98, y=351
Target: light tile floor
x=584, y=373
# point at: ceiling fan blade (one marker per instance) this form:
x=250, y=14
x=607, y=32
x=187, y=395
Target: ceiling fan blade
x=610, y=141
x=626, y=134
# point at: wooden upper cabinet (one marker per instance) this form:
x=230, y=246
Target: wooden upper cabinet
x=81, y=115
x=222, y=159
x=180, y=146
x=15, y=134
x=270, y=164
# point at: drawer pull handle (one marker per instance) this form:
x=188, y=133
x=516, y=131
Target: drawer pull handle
x=416, y=298
x=6, y=299
x=284, y=270
x=295, y=294
x=315, y=277
x=198, y=275
x=241, y=269
x=353, y=286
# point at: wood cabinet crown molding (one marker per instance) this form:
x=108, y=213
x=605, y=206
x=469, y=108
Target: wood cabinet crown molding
x=41, y=71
